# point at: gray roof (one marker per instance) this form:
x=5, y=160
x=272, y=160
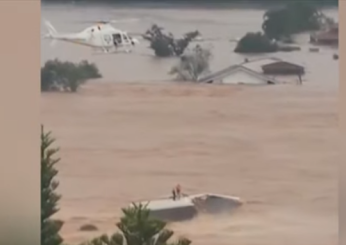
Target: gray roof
x=225, y=197
x=229, y=70
x=256, y=65
x=169, y=203
x=166, y=203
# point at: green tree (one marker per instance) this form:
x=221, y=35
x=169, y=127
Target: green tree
x=192, y=65
x=49, y=198
x=165, y=45
x=255, y=42
x=293, y=18
x=139, y=228
x=67, y=76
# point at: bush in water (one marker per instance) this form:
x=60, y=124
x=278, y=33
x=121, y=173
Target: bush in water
x=66, y=76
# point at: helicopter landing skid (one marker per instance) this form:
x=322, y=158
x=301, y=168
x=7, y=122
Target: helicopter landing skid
x=112, y=52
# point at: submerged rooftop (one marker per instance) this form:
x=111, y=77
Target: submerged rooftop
x=168, y=203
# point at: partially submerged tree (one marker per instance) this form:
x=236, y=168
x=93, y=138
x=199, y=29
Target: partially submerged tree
x=255, y=42
x=138, y=228
x=67, y=76
x=49, y=198
x=192, y=65
x=165, y=45
x=295, y=17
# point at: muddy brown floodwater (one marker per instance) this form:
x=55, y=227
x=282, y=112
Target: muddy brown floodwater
x=276, y=146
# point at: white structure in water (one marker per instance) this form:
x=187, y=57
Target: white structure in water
x=260, y=71
x=189, y=206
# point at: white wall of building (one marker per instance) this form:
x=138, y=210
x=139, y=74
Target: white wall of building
x=241, y=77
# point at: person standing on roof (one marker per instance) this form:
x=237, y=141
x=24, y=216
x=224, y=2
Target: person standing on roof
x=178, y=190
x=174, y=194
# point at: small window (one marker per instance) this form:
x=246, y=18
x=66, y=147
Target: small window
x=125, y=37
x=117, y=38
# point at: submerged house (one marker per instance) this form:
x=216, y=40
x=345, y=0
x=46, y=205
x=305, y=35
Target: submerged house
x=328, y=37
x=189, y=206
x=238, y=74
x=274, y=66
x=257, y=72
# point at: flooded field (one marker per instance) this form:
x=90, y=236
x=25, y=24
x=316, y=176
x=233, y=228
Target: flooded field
x=133, y=135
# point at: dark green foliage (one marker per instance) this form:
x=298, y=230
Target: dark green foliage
x=255, y=42
x=295, y=17
x=192, y=65
x=138, y=228
x=67, y=76
x=49, y=198
x=165, y=45
x=280, y=24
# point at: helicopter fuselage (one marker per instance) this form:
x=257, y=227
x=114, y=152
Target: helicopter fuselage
x=103, y=36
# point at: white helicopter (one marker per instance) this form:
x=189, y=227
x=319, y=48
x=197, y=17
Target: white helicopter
x=100, y=37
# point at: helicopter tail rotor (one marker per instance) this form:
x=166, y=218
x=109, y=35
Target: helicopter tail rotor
x=52, y=33
x=51, y=29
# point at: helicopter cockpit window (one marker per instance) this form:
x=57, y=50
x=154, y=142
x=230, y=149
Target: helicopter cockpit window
x=117, y=38
x=125, y=38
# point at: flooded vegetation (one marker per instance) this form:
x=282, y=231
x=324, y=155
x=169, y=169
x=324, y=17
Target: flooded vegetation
x=219, y=26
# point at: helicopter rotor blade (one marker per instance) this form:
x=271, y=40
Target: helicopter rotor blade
x=108, y=21
x=124, y=20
